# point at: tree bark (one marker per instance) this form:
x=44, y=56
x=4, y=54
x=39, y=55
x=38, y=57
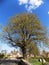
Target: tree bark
x=24, y=52
x=42, y=61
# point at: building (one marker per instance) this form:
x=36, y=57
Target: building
x=14, y=55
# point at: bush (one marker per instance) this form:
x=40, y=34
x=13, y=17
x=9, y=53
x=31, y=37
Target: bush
x=1, y=56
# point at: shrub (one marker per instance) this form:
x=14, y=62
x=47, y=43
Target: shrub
x=1, y=56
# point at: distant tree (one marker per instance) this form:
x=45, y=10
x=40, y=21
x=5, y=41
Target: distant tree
x=44, y=53
x=24, y=29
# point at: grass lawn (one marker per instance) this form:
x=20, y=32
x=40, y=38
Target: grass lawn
x=34, y=61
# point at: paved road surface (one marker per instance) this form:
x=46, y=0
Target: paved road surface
x=9, y=62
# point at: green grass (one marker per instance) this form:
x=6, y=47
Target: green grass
x=34, y=61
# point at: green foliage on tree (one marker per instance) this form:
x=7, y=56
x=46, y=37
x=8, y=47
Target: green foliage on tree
x=29, y=30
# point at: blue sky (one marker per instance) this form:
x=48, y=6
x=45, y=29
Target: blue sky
x=9, y=8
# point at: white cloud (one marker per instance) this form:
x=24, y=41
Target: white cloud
x=48, y=12
x=23, y=2
x=31, y=4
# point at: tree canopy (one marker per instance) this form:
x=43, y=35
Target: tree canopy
x=24, y=30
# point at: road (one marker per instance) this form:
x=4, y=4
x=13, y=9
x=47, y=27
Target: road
x=9, y=62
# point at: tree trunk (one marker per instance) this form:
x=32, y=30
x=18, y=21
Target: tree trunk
x=24, y=52
x=34, y=56
x=42, y=61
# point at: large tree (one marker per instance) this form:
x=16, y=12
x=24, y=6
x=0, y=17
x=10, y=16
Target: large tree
x=24, y=30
